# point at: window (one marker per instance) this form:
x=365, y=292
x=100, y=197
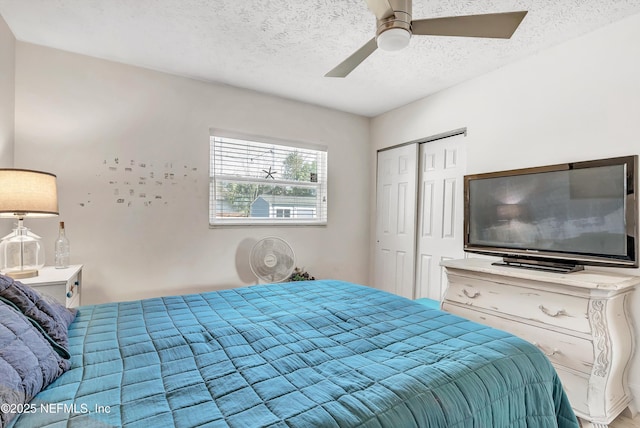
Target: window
x=264, y=182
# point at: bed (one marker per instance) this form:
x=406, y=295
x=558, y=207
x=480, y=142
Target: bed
x=302, y=354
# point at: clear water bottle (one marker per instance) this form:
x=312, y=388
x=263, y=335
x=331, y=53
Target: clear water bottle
x=62, y=249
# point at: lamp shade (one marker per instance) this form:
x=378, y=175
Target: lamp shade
x=26, y=193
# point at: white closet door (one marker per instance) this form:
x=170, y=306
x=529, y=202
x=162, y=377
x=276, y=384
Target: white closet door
x=440, y=212
x=396, y=220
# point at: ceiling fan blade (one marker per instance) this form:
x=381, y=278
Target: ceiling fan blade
x=380, y=8
x=492, y=25
x=349, y=64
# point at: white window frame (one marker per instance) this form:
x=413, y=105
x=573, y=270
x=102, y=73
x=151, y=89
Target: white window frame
x=320, y=210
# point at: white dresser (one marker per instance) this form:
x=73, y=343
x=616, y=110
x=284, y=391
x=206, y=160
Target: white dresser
x=579, y=320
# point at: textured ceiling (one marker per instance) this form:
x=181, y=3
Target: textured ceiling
x=285, y=47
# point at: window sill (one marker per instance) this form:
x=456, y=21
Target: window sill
x=277, y=223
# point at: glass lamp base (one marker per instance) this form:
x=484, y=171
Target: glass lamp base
x=22, y=274
x=21, y=254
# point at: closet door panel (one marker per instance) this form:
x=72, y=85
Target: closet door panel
x=440, y=212
x=396, y=198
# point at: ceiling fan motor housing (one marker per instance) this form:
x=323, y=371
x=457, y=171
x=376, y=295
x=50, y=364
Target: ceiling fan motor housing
x=400, y=19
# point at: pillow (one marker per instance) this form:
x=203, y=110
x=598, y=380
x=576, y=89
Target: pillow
x=28, y=363
x=53, y=317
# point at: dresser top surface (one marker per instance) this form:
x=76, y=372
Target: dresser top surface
x=588, y=278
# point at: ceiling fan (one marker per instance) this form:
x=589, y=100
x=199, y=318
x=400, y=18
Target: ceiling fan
x=395, y=28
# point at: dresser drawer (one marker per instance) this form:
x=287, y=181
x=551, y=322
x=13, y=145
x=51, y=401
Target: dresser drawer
x=560, y=310
x=562, y=349
x=576, y=386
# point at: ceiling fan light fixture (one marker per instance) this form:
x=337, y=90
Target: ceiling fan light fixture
x=393, y=39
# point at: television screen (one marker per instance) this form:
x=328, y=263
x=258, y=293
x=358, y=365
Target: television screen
x=580, y=212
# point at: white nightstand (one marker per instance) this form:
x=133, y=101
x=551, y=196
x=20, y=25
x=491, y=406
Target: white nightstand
x=62, y=284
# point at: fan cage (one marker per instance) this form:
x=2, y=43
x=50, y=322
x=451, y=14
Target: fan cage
x=272, y=259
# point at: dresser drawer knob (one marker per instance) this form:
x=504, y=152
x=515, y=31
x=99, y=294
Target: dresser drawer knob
x=548, y=354
x=551, y=314
x=471, y=295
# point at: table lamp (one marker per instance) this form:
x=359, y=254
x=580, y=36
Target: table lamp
x=25, y=193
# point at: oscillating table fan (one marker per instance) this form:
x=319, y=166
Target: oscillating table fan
x=272, y=259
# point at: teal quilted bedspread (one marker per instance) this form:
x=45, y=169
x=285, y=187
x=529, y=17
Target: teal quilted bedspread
x=306, y=354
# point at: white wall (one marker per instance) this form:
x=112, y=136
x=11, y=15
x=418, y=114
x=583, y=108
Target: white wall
x=76, y=115
x=7, y=94
x=576, y=101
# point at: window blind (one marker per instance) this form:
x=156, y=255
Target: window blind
x=256, y=182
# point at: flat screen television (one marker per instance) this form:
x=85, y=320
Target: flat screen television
x=557, y=217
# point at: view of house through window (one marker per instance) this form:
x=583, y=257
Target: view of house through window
x=258, y=182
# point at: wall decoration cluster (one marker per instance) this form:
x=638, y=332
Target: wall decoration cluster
x=139, y=183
